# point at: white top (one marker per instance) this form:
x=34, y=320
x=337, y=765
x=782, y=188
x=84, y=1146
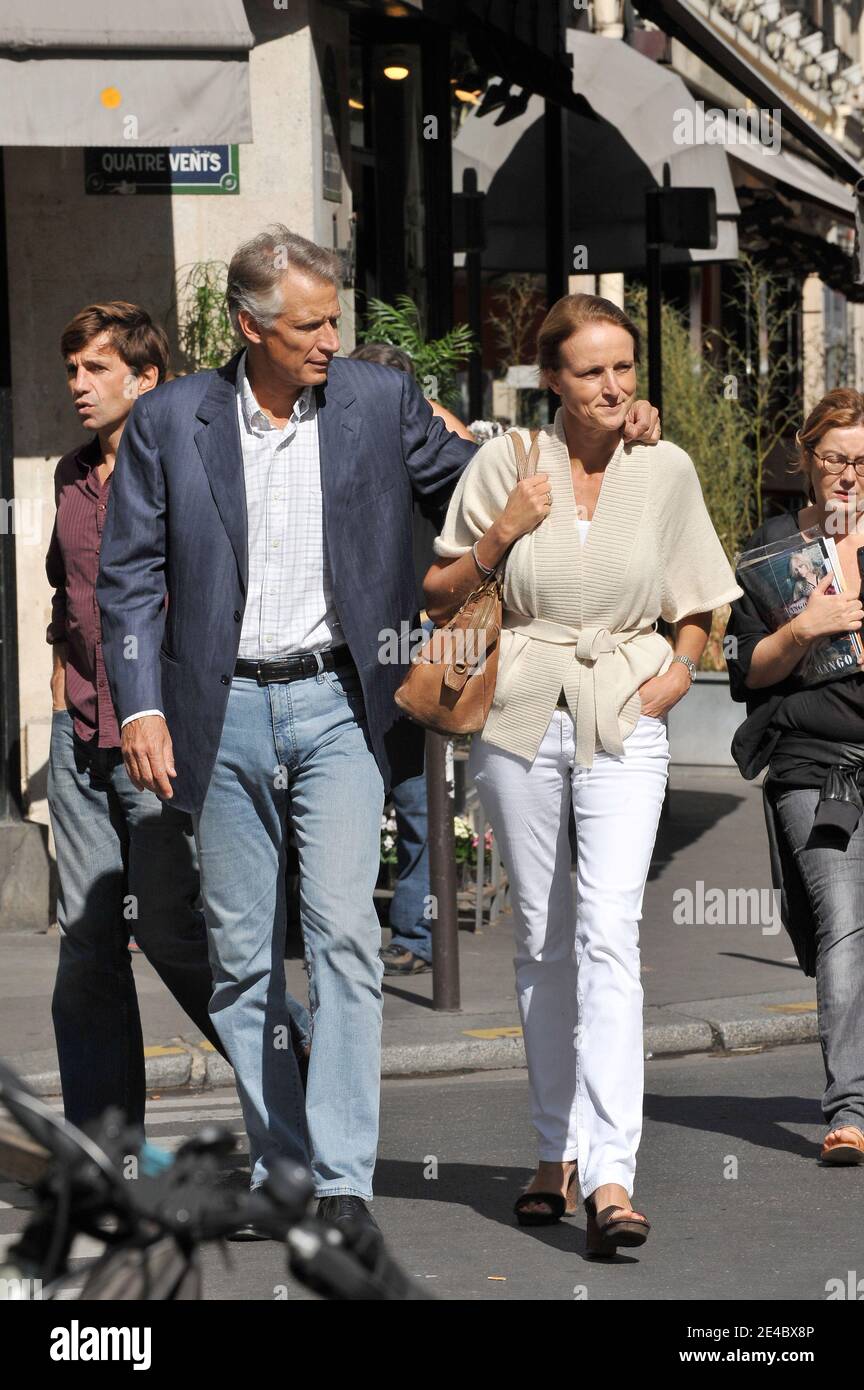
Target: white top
x=289, y=597
x=583, y=530
x=584, y=616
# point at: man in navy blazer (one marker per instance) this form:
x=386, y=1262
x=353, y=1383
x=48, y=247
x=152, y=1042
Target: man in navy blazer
x=256, y=561
x=256, y=565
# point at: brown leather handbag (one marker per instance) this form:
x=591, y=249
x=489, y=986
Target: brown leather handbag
x=451, y=681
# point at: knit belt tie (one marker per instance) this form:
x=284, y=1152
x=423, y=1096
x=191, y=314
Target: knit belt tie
x=595, y=645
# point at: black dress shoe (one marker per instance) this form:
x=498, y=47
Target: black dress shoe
x=354, y=1209
x=249, y=1232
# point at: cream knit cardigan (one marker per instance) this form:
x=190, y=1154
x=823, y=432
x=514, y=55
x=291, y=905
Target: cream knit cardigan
x=584, y=618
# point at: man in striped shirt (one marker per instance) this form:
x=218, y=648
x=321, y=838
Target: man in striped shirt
x=126, y=863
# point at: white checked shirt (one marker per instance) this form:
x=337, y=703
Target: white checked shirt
x=289, y=598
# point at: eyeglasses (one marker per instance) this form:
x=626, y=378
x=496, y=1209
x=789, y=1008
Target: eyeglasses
x=838, y=463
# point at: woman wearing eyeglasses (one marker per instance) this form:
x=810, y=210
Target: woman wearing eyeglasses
x=811, y=738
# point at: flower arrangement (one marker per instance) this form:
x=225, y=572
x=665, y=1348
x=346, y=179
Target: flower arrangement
x=466, y=841
x=463, y=835
x=388, y=839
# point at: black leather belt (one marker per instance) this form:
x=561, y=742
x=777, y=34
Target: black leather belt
x=294, y=668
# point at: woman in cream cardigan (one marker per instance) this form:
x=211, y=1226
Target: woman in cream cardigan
x=604, y=540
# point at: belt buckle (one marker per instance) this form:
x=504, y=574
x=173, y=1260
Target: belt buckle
x=258, y=677
x=319, y=662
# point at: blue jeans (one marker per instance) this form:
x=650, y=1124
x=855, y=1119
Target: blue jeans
x=126, y=866
x=833, y=879
x=412, y=929
x=298, y=752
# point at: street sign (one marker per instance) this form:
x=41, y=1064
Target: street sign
x=683, y=217
x=162, y=169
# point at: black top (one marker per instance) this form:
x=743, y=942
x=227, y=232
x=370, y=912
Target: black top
x=780, y=717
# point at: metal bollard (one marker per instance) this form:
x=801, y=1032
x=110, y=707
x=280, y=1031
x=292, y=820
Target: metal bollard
x=442, y=879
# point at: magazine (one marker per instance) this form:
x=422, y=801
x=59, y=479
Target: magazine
x=779, y=579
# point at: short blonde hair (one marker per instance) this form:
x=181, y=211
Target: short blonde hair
x=840, y=409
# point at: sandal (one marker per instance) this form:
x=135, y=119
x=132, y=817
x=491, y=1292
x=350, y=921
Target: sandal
x=558, y=1205
x=606, y=1231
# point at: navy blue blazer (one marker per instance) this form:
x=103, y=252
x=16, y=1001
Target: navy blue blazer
x=176, y=525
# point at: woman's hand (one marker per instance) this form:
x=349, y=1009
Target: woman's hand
x=660, y=693
x=827, y=614
x=528, y=504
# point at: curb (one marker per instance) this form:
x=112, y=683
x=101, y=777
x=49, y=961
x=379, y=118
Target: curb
x=719, y=1025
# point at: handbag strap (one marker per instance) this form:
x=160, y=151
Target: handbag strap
x=526, y=464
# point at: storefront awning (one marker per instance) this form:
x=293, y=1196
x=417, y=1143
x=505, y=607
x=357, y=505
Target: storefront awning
x=119, y=72
x=683, y=20
x=613, y=158
x=796, y=175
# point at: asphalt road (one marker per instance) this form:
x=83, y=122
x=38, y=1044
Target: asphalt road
x=727, y=1174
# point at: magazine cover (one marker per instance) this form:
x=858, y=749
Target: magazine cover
x=780, y=577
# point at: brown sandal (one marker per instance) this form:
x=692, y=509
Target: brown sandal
x=558, y=1206
x=606, y=1231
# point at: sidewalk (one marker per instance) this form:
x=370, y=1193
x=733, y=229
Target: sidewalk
x=707, y=987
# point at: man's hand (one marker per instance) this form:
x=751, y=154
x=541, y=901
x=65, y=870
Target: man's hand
x=149, y=754
x=642, y=424
x=58, y=690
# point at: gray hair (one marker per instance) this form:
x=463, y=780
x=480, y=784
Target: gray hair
x=257, y=267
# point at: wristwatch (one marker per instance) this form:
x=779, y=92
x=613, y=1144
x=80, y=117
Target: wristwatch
x=691, y=666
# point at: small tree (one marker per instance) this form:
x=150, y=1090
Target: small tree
x=518, y=299
x=704, y=418
x=759, y=365
x=436, y=360
x=710, y=422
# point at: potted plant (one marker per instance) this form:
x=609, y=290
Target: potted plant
x=436, y=360
x=205, y=334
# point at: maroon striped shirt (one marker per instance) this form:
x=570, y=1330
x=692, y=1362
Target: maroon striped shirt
x=72, y=565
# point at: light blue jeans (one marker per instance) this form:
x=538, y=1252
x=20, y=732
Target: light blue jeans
x=296, y=754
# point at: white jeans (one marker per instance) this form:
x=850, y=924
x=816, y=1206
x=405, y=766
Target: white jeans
x=577, y=965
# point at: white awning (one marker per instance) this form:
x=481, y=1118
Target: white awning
x=797, y=175
x=611, y=162
x=690, y=23
x=119, y=72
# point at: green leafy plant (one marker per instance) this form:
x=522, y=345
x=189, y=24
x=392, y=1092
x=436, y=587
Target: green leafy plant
x=714, y=426
x=436, y=360
x=205, y=334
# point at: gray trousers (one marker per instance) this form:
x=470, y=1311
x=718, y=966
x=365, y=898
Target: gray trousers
x=833, y=878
